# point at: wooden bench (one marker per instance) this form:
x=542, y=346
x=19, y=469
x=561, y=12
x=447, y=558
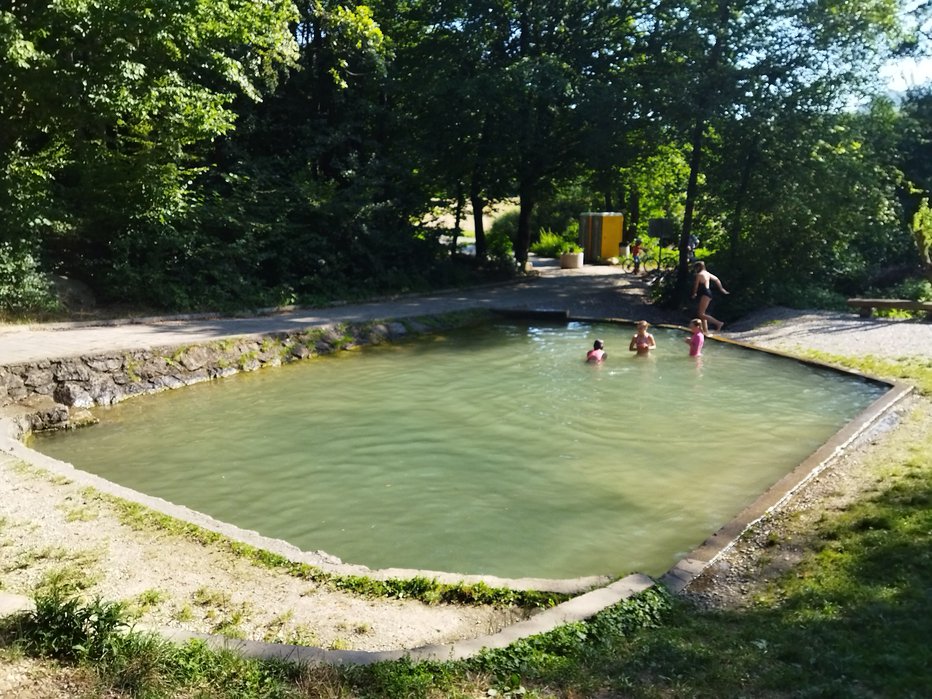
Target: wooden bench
x=867, y=306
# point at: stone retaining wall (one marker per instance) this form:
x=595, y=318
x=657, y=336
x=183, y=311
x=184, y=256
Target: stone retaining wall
x=56, y=394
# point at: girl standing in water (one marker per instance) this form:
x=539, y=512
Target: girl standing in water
x=642, y=342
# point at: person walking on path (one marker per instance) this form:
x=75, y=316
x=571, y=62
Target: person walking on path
x=702, y=288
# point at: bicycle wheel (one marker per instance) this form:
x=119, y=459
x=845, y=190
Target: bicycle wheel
x=648, y=263
x=626, y=264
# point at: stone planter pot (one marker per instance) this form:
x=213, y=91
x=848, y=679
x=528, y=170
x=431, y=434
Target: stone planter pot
x=571, y=260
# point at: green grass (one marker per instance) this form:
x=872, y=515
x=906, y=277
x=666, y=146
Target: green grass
x=427, y=590
x=915, y=370
x=851, y=620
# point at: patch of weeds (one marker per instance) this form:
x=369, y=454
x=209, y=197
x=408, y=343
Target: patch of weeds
x=360, y=629
x=303, y=635
x=31, y=557
x=71, y=579
x=89, y=493
x=175, y=358
x=205, y=597
x=229, y=623
x=59, y=479
x=247, y=358
x=131, y=366
x=274, y=629
x=340, y=644
x=21, y=468
x=79, y=513
x=144, y=601
x=62, y=626
x=407, y=678
x=219, y=610
x=141, y=666
x=184, y=613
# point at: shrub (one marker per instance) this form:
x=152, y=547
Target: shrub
x=23, y=287
x=499, y=247
x=505, y=226
x=552, y=244
x=915, y=288
x=63, y=627
x=549, y=245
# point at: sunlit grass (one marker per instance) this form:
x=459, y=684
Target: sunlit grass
x=916, y=370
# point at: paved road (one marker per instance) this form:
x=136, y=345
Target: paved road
x=590, y=291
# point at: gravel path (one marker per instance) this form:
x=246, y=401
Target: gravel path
x=834, y=333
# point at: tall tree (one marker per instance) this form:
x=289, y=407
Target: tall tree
x=111, y=106
x=741, y=62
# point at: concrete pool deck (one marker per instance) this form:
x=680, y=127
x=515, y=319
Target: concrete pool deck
x=592, y=292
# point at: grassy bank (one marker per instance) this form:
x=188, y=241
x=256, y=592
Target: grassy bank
x=849, y=618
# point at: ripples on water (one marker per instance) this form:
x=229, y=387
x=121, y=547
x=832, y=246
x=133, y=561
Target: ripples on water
x=495, y=450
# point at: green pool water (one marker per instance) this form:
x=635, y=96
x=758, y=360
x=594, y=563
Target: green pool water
x=492, y=450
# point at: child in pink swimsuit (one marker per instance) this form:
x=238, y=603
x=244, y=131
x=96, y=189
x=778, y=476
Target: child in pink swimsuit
x=697, y=339
x=597, y=353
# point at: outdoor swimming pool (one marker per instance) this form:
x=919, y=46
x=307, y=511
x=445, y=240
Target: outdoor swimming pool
x=485, y=450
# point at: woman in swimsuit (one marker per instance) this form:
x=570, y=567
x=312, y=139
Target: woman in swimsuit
x=701, y=288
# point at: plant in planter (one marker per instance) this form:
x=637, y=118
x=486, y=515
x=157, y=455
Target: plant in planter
x=571, y=257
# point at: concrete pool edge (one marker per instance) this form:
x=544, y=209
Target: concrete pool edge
x=577, y=609
x=12, y=446
x=581, y=607
x=691, y=566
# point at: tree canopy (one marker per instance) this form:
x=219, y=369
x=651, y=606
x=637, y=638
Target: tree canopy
x=221, y=153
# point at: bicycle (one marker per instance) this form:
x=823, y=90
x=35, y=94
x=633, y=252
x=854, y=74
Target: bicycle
x=660, y=258
x=626, y=263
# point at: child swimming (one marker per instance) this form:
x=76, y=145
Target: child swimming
x=597, y=353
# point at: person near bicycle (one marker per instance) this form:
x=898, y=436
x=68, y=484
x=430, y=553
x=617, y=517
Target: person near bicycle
x=691, y=246
x=702, y=289
x=636, y=254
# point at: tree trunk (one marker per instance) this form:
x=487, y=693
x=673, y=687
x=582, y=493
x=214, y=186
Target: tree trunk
x=523, y=243
x=735, y=232
x=457, y=217
x=695, y=157
x=634, y=213
x=478, y=207
x=692, y=187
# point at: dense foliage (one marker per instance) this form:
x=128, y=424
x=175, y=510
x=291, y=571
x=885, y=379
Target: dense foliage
x=221, y=153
